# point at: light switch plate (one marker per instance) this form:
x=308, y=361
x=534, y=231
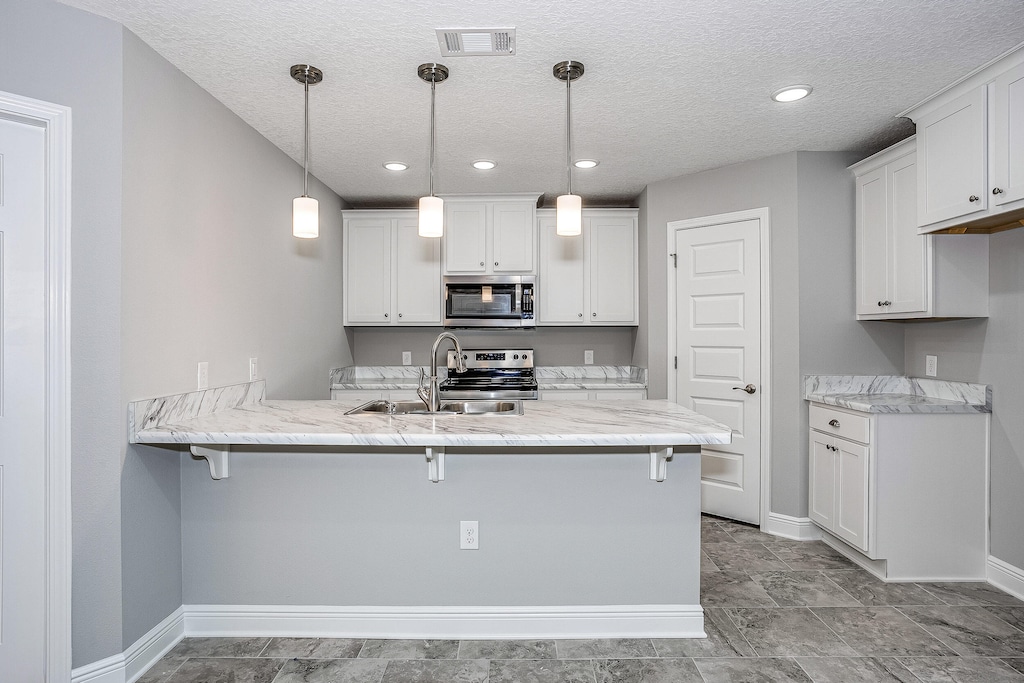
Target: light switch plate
x=588, y=357
x=253, y=370
x=931, y=366
x=406, y=357
x=203, y=375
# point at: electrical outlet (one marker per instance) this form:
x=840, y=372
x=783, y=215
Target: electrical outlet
x=203, y=375
x=406, y=357
x=469, y=535
x=253, y=374
x=931, y=366
x=588, y=357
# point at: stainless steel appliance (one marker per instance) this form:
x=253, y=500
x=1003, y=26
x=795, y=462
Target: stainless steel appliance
x=492, y=374
x=489, y=300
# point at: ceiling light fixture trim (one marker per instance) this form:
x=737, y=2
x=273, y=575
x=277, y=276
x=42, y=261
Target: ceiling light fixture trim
x=431, y=208
x=306, y=209
x=586, y=163
x=484, y=164
x=792, y=93
x=569, y=206
x=395, y=165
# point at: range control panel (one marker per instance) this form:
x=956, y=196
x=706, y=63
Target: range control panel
x=493, y=358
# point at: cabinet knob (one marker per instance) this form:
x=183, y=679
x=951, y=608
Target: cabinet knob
x=581, y=315
x=495, y=264
x=997, y=190
x=385, y=315
x=399, y=315
x=481, y=263
x=885, y=303
x=594, y=314
x=973, y=198
x=833, y=423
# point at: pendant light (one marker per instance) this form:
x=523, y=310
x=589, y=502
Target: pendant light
x=569, y=206
x=306, y=209
x=431, y=219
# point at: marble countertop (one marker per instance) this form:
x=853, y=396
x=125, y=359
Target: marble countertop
x=896, y=394
x=394, y=377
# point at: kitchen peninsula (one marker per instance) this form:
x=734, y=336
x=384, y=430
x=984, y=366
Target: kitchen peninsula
x=588, y=516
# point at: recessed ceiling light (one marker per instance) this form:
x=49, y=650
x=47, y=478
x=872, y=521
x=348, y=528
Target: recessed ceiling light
x=484, y=164
x=791, y=93
x=586, y=163
x=396, y=166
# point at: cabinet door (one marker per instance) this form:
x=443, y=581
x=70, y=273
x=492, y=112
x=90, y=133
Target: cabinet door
x=562, y=300
x=465, y=237
x=417, y=276
x=910, y=252
x=564, y=394
x=512, y=232
x=821, y=500
x=873, y=242
x=612, y=270
x=1008, y=137
x=368, y=271
x=851, y=505
x=951, y=157
x=618, y=394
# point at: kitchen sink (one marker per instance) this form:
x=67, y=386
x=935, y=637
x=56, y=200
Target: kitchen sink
x=470, y=407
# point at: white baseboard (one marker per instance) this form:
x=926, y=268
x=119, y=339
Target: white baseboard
x=797, y=528
x=602, y=621
x=1005, y=576
x=143, y=653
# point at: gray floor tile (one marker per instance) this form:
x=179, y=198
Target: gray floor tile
x=872, y=591
x=410, y=649
x=605, y=648
x=706, y=563
x=714, y=533
x=159, y=672
x=881, y=632
x=732, y=589
x=227, y=670
x=1014, y=616
x=794, y=631
x=803, y=588
x=754, y=557
x=809, y=555
x=971, y=631
x=436, y=671
x=332, y=671
x=755, y=670
x=970, y=593
x=724, y=640
x=962, y=670
x=1016, y=663
x=541, y=671
x=219, y=647
x=507, y=649
x=856, y=670
x=313, y=648
x=646, y=671
x=743, y=533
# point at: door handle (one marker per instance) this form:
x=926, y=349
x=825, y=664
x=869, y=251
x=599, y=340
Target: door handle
x=750, y=388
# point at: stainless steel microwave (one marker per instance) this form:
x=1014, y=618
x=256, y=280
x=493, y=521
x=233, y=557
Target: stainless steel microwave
x=489, y=300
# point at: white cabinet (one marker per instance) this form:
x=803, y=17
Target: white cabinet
x=490, y=235
x=902, y=274
x=392, y=275
x=592, y=395
x=970, y=152
x=904, y=495
x=590, y=279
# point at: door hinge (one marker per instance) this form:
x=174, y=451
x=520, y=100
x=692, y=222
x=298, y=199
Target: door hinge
x=675, y=260
x=675, y=362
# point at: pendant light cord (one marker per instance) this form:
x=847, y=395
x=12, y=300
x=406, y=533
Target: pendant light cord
x=431, y=173
x=305, y=144
x=568, y=131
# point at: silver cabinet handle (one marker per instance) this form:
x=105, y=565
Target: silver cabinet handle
x=974, y=198
x=996, y=190
x=750, y=388
x=885, y=303
x=833, y=423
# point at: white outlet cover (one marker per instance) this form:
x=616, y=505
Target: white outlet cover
x=469, y=535
x=931, y=366
x=406, y=357
x=588, y=357
x=203, y=375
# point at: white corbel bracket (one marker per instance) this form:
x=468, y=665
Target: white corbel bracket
x=217, y=457
x=435, y=464
x=659, y=462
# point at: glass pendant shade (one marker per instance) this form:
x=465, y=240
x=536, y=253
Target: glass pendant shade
x=431, y=217
x=568, y=215
x=305, y=217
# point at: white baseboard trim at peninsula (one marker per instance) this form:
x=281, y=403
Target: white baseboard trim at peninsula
x=480, y=623
x=1005, y=576
x=143, y=653
x=798, y=528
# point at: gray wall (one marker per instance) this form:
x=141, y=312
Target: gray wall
x=992, y=352
x=211, y=273
x=810, y=199
x=51, y=52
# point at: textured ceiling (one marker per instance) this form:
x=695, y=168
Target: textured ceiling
x=671, y=86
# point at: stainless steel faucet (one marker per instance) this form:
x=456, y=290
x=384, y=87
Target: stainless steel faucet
x=430, y=395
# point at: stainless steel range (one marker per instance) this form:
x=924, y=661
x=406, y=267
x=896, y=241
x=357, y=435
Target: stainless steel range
x=491, y=373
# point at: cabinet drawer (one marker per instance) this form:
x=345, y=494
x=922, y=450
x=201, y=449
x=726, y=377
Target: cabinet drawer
x=846, y=425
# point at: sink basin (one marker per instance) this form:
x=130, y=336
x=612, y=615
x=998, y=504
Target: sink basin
x=382, y=407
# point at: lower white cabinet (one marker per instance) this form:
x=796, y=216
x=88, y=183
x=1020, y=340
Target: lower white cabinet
x=592, y=395
x=903, y=494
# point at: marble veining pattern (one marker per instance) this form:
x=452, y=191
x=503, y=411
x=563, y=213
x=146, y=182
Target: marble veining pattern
x=157, y=412
x=388, y=377
x=896, y=394
x=544, y=423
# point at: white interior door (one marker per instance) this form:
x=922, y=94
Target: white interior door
x=717, y=314
x=23, y=567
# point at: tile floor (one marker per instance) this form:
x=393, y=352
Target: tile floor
x=775, y=610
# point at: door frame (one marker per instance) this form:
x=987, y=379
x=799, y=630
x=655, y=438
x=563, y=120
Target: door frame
x=762, y=215
x=55, y=120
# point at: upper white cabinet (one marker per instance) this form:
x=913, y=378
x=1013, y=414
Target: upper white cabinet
x=970, y=152
x=590, y=279
x=902, y=274
x=392, y=275
x=490, y=234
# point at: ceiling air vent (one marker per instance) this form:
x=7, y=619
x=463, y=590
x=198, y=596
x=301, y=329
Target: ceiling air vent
x=476, y=42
